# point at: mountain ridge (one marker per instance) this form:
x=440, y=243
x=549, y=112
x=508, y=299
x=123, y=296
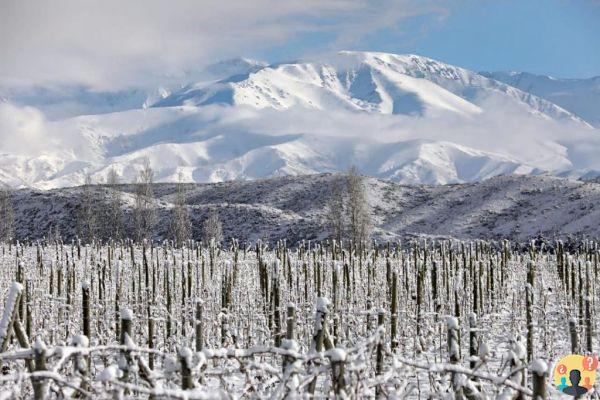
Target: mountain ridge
x=580, y=96
x=294, y=208
x=357, y=69
x=406, y=118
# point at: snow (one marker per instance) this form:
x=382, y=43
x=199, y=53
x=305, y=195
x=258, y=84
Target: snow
x=539, y=367
x=110, y=373
x=431, y=122
x=336, y=354
x=579, y=96
x=39, y=344
x=290, y=345
x=7, y=317
x=127, y=314
x=512, y=207
x=483, y=350
x=80, y=341
x=452, y=322
x=422, y=362
x=323, y=304
x=186, y=355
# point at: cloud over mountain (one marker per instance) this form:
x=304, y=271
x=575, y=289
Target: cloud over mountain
x=406, y=118
x=110, y=44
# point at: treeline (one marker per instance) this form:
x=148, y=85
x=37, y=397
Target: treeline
x=109, y=210
x=103, y=212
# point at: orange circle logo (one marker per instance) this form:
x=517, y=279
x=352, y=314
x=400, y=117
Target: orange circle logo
x=575, y=374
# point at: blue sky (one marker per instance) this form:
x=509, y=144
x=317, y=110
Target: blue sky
x=115, y=43
x=555, y=37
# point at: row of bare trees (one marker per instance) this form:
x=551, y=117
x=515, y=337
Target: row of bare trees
x=348, y=210
x=104, y=217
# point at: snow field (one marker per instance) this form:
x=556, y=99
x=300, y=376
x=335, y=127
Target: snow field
x=422, y=319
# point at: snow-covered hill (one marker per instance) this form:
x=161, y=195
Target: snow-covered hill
x=363, y=81
x=579, y=96
x=405, y=118
x=513, y=207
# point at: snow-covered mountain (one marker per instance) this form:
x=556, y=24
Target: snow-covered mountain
x=64, y=101
x=400, y=117
x=360, y=81
x=579, y=96
x=233, y=67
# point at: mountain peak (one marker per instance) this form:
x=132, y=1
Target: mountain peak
x=579, y=96
x=402, y=117
x=377, y=82
x=233, y=66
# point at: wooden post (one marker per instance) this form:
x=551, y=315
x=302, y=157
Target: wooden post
x=199, y=339
x=151, y=324
x=472, y=339
x=319, y=335
x=454, y=353
x=588, y=312
x=39, y=384
x=85, y=305
x=575, y=349
x=539, y=372
x=125, y=340
x=529, y=309
x=337, y=358
x=185, y=360
x=394, y=312
x=9, y=315
x=379, y=359
x=291, y=321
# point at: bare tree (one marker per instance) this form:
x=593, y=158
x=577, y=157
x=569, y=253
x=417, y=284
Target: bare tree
x=87, y=212
x=359, y=212
x=144, y=211
x=53, y=236
x=7, y=217
x=180, y=227
x=114, y=215
x=335, y=211
x=212, y=230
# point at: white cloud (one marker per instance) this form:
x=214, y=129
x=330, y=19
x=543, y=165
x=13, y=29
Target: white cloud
x=106, y=44
x=22, y=130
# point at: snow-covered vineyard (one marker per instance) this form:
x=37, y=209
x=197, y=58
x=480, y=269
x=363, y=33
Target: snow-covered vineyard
x=422, y=320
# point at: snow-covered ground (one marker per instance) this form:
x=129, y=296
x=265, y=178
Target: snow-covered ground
x=413, y=323
x=512, y=207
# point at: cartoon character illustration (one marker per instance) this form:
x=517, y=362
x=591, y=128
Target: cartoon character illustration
x=575, y=374
x=575, y=390
x=563, y=384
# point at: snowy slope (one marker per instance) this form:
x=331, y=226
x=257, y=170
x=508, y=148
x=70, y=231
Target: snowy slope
x=60, y=102
x=406, y=118
x=363, y=81
x=579, y=96
x=513, y=207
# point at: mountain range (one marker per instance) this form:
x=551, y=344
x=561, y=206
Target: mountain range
x=405, y=118
x=579, y=96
